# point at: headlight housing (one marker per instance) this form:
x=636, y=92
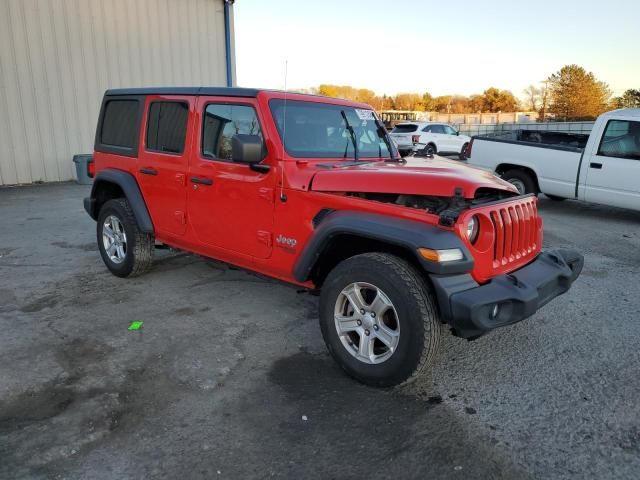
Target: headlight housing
x=473, y=229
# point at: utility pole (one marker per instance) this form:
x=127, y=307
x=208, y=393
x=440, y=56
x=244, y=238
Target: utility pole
x=545, y=91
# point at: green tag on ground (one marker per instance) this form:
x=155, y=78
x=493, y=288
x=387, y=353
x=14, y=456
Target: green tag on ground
x=135, y=325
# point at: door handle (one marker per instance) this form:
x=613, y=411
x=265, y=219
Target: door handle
x=201, y=181
x=595, y=165
x=148, y=171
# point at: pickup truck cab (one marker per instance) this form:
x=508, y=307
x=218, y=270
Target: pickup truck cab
x=310, y=190
x=601, y=168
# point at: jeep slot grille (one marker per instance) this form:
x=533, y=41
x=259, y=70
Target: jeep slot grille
x=516, y=231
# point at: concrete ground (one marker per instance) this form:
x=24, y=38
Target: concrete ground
x=229, y=377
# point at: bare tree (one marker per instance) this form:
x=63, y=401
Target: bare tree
x=533, y=97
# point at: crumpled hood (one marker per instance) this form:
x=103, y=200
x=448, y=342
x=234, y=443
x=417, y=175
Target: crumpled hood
x=418, y=176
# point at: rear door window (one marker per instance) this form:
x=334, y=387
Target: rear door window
x=407, y=128
x=167, y=127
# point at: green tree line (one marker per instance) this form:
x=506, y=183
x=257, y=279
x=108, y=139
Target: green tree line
x=571, y=93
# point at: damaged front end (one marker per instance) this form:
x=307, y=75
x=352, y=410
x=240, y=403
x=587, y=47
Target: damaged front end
x=448, y=209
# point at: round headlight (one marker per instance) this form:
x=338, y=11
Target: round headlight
x=473, y=229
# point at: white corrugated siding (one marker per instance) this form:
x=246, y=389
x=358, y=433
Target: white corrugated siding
x=57, y=57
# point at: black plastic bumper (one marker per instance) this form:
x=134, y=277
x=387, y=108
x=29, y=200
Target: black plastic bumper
x=471, y=309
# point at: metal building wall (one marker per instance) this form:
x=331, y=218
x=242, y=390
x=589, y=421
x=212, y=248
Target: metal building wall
x=57, y=57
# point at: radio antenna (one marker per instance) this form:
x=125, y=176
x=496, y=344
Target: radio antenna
x=283, y=197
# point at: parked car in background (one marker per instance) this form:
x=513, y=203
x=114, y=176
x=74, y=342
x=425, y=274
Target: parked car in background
x=606, y=170
x=431, y=138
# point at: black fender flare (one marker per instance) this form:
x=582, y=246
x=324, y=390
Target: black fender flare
x=129, y=186
x=407, y=234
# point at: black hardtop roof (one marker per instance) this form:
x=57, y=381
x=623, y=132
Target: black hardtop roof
x=212, y=91
x=219, y=91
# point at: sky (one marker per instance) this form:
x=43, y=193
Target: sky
x=443, y=47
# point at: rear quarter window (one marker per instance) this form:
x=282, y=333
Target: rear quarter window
x=119, y=125
x=404, y=129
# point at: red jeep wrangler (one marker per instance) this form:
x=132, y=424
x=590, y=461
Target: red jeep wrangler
x=312, y=191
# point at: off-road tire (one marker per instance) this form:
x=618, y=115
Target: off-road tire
x=420, y=326
x=140, y=245
x=523, y=178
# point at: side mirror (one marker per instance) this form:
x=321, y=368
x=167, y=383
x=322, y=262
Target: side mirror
x=246, y=148
x=457, y=133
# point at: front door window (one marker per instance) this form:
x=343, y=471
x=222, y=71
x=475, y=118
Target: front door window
x=221, y=123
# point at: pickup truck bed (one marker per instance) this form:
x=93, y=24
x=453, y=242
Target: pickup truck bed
x=556, y=166
x=564, y=139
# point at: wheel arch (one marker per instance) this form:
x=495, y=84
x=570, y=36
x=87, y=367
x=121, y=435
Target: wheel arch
x=111, y=183
x=346, y=245
x=341, y=235
x=505, y=167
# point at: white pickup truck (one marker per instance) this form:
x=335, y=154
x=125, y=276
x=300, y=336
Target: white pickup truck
x=601, y=168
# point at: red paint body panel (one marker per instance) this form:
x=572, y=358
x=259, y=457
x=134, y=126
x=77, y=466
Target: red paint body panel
x=165, y=193
x=510, y=235
x=238, y=218
x=419, y=176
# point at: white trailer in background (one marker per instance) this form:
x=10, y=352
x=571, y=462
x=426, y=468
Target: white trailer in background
x=605, y=170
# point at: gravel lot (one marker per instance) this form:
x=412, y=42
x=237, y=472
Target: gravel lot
x=219, y=381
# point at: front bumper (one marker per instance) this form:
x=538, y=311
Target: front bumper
x=470, y=308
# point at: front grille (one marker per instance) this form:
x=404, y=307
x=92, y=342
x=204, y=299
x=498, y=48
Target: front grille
x=516, y=231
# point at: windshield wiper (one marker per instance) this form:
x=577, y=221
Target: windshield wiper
x=382, y=133
x=353, y=136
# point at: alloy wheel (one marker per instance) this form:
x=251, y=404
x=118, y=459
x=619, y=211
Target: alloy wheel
x=114, y=239
x=367, y=323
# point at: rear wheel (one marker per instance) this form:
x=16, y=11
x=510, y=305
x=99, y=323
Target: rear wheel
x=379, y=320
x=522, y=180
x=430, y=150
x=463, y=152
x=125, y=250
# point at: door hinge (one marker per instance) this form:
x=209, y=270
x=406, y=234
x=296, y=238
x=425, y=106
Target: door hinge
x=264, y=237
x=180, y=217
x=181, y=178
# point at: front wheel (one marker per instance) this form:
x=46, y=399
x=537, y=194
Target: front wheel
x=125, y=250
x=379, y=320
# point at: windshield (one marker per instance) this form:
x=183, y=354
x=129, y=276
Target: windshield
x=317, y=130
